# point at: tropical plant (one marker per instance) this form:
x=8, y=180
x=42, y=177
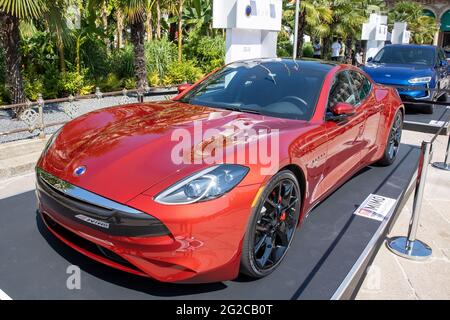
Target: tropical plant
x=209, y=52
x=423, y=28
x=135, y=12
x=11, y=13
x=74, y=83
x=314, y=15
x=159, y=54
x=110, y=83
x=198, y=15
x=308, y=50
x=122, y=62
x=180, y=72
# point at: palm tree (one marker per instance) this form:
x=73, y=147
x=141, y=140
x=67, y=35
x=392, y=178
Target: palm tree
x=180, y=29
x=423, y=28
x=135, y=12
x=55, y=19
x=348, y=18
x=158, y=19
x=315, y=16
x=11, y=13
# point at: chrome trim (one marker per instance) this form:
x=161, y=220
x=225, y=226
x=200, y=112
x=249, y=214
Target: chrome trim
x=82, y=194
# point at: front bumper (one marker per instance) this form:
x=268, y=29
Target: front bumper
x=410, y=92
x=182, y=250
x=414, y=94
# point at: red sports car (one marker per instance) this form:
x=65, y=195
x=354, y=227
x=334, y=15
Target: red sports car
x=217, y=180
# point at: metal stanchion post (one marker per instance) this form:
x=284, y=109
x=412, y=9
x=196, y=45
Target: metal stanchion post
x=409, y=247
x=40, y=102
x=446, y=164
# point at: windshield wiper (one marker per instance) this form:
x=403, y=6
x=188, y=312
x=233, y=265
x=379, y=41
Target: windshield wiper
x=242, y=110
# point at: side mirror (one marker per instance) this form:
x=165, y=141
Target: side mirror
x=369, y=59
x=341, y=111
x=183, y=87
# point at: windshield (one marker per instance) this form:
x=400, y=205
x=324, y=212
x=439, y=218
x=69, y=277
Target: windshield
x=405, y=55
x=284, y=89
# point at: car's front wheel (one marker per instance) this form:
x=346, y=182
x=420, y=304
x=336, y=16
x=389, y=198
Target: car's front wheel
x=272, y=225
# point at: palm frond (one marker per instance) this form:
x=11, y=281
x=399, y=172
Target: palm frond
x=23, y=9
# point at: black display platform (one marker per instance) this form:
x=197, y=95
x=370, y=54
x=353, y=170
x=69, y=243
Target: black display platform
x=415, y=120
x=327, y=260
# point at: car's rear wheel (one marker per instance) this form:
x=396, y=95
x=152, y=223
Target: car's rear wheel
x=272, y=226
x=394, y=138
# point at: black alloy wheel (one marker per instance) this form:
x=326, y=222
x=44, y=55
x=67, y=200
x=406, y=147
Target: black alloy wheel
x=273, y=226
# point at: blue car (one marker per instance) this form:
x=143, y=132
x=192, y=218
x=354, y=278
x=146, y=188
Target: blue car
x=412, y=66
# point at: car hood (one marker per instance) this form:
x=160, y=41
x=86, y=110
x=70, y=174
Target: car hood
x=396, y=73
x=128, y=149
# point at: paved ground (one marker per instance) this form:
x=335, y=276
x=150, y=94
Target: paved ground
x=393, y=277
x=390, y=277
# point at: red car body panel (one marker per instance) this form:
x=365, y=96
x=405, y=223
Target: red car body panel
x=126, y=151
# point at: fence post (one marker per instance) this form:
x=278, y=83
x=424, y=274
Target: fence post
x=409, y=247
x=140, y=96
x=98, y=93
x=40, y=102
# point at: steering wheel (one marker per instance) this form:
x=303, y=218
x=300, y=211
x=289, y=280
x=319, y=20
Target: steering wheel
x=302, y=106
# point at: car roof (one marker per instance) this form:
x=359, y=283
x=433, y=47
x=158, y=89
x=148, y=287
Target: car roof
x=320, y=65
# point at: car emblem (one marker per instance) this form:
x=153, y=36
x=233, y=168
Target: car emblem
x=388, y=75
x=79, y=171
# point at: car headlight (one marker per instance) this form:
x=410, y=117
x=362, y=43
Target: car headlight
x=51, y=140
x=207, y=184
x=420, y=80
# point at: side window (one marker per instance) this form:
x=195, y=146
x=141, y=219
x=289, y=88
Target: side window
x=361, y=84
x=342, y=91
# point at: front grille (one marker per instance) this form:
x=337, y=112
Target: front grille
x=86, y=244
x=118, y=220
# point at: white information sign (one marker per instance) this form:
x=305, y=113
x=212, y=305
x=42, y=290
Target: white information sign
x=252, y=27
x=375, y=207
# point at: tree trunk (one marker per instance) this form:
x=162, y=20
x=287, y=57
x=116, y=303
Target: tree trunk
x=326, y=48
x=119, y=18
x=137, y=37
x=61, y=53
x=77, y=58
x=348, y=47
x=180, y=30
x=158, y=20
x=10, y=38
x=105, y=27
x=62, y=56
x=149, y=26
x=301, y=32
